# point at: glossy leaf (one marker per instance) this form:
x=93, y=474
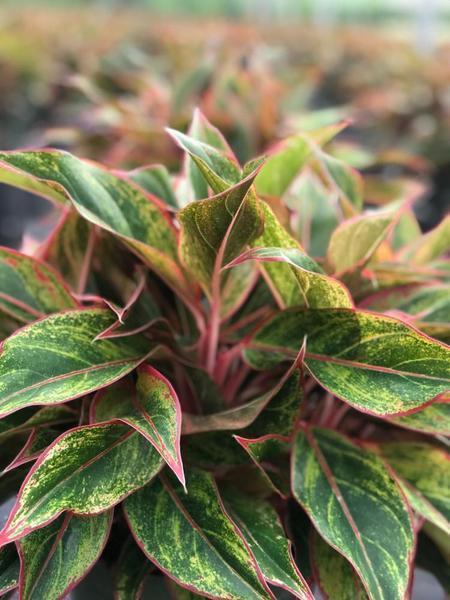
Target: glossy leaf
x=170, y=525
x=356, y=507
x=334, y=575
x=30, y=289
x=376, y=363
x=424, y=472
x=261, y=527
x=205, y=223
x=86, y=470
x=152, y=408
x=103, y=198
x=56, y=359
x=315, y=288
x=56, y=557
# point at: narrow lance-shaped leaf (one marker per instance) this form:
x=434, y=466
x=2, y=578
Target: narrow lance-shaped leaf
x=130, y=572
x=105, y=199
x=333, y=574
x=9, y=569
x=56, y=557
x=261, y=527
x=374, y=362
x=56, y=359
x=424, y=472
x=37, y=441
x=316, y=289
x=86, y=470
x=205, y=223
x=170, y=525
x=356, y=506
x=152, y=408
x=30, y=289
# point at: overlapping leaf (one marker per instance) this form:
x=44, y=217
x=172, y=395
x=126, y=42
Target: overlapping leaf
x=170, y=526
x=152, y=408
x=376, y=363
x=56, y=557
x=130, y=572
x=86, y=470
x=357, y=508
x=56, y=359
x=9, y=569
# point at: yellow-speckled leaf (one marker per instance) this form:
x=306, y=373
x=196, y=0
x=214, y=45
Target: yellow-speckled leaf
x=434, y=419
x=192, y=539
x=376, y=363
x=86, y=470
x=151, y=407
x=58, y=359
x=30, y=289
x=56, y=557
x=424, y=472
x=104, y=198
x=357, y=507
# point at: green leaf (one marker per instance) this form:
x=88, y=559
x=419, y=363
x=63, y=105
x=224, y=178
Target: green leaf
x=56, y=557
x=205, y=224
x=375, y=363
x=30, y=289
x=105, y=199
x=356, y=507
x=131, y=572
x=354, y=242
x=28, y=419
x=37, y=441
x=345, y=180
x=430, y=246
x=333, y=574
x=316, y=289
x=434, y=419
x=151, y=407
x=192, y=539
x=69, y=249
x=9, y=568
x=261, y=527
x=86, y=470
x=57, y=359
x=424, y=472
x=155, y=179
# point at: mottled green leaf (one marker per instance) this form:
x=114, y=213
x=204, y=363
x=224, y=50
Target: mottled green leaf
x=56, y=359
x=37, y=441
x=86, y=470
x=9, y=568
x=151, y=407
x=103, y=198
x=261, y=527
x=316, y=289
x=374, y=362
x=29, y=418
x=155, y=179
x=356, y=507
x=334, y=575
x=56, y=557
x=130, y=572
x=434, y=419
x=424, y=472
x=354, y=242
x=192, y=539
x=343, y=179
x=30, y=289
x=232, y=218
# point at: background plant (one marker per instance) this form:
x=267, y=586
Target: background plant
x=199, y=370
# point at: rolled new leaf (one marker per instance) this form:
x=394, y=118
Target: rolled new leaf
x=86, y=470
x=357, y=507
x=376, y=363
x=56, y=359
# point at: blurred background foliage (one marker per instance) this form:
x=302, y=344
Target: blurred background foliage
x=103, y=78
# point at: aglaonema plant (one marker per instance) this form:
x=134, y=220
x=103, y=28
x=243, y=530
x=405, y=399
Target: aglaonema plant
x=229, y=383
